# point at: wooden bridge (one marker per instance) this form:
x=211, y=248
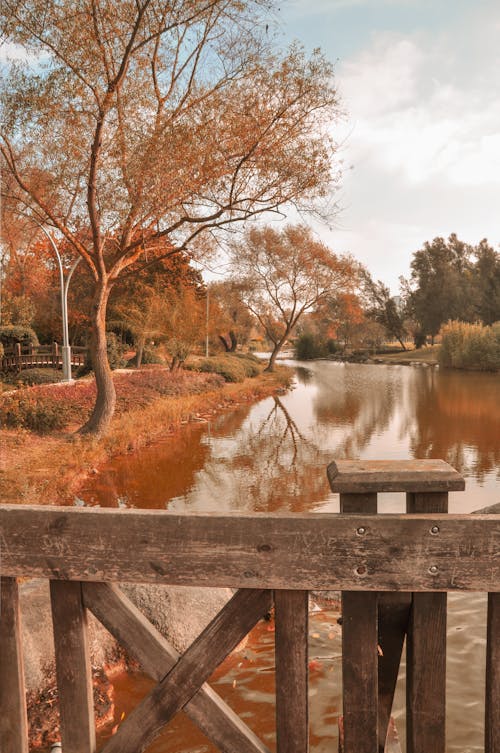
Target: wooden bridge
x=21, y=357
x=394, y=572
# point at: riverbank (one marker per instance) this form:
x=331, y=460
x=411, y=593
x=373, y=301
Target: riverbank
x=427, y=356
x=152, y=404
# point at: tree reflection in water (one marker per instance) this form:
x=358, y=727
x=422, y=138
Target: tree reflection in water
x=273, y=455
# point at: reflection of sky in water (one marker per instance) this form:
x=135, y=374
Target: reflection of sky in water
x=273, y=455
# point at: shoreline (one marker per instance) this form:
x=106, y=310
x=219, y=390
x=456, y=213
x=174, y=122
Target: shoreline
x=48, y=469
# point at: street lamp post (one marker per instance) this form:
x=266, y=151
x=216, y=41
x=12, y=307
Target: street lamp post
x=66, y=349
x=206, y=337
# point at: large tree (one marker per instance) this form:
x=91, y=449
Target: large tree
x=441, y=284
x=486, y=278
x=174, y=116
x=282, y=274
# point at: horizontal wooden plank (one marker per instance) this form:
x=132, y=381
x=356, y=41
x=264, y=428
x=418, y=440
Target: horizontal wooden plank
x=364, y=476
x=301, y=551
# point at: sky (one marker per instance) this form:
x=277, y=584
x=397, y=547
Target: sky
x=420, y=144
x=419, y=81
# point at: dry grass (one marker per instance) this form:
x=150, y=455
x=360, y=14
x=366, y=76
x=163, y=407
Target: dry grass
x=49, y=469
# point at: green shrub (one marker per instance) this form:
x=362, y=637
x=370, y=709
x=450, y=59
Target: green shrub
x=14, y=333
x=470, y=346
x=149, y=356
x=230, y=368
x=252, y=364
x=40, y=415
x=30, y=377
x=116, y=355
x=307, y=347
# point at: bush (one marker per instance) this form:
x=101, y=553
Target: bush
x=30, y=377
x=307, y=347
x=470, y=346
x=149, y=356
x=13, y=333
x=33, y=413
x=230, y=368
x=252, y=364
x=116, y=355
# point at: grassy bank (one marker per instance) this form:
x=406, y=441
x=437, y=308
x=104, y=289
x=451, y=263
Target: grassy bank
x=48, y=467
x=428, y=355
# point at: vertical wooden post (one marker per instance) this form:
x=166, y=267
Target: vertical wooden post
x=55, y=354
x=359, y=653
x=492, y=721
x=13, y=720
x=73, y=670
x=291, y=636
x=426, y=654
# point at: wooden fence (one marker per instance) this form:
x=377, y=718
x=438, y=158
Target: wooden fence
x=21, y=357
x=394, y=572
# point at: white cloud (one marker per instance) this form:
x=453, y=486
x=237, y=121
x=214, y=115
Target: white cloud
x=414, y=114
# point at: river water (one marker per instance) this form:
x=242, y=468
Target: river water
x=273, y=456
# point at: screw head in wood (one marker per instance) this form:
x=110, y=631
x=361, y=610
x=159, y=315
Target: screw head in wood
x=433, y=569
x=361, y=531
x=435, y=530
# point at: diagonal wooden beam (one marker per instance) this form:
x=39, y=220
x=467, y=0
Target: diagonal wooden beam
x=157, y=656
x=196, y=665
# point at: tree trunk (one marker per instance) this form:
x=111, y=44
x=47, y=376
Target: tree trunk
x=274, y=354
x=104, y=407
x=225, y=343
x=234, y=342
x=139, y=352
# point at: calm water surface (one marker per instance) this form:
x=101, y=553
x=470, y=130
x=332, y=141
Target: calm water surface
x=273, y=456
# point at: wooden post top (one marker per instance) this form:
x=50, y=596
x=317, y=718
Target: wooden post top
x=365, y=476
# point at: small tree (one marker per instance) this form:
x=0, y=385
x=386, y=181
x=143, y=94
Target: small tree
x=283, y=274
x=234, y=321
x=383, y=308
x=183, y=325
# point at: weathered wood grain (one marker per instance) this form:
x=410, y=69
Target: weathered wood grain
x=426, y=653
x=393, y=616
x=291, y=639
x=392, y=744
x=360, y=672
x=364, y=476
x=156, y=656
x=13, y=720
x=492, y=722
x=221, y=636
x=426, y=675
x=73, y=672
x=300, y=551
x=359, y=649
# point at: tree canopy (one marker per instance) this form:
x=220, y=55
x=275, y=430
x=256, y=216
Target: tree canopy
x=282, y=274
x=133, y=121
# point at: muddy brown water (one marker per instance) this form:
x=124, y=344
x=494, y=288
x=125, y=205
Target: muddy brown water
x=272, y=456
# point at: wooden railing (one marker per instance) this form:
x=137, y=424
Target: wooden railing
x=22, y=357
x=394, y=572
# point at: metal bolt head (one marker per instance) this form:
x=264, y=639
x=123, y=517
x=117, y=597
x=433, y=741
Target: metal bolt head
x=361, y=531
x=435, y=530
x=433, y=569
